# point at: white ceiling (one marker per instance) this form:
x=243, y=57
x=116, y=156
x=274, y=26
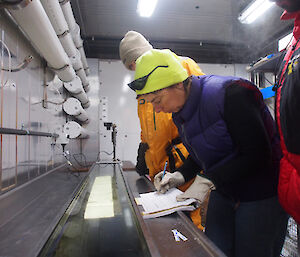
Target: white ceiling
x=182, y=24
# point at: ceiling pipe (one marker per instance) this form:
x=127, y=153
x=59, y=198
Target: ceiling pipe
x=75, y=32
x=33, y=20
x=73, y=107
x=76, y=89
x=58, y=21
x=74, y=130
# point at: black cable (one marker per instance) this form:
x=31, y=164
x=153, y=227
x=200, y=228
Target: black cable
x=106, y=152
x=106, y=164
x=71, y=164
x=77, y=174
x=78, y=162
x=98, y=155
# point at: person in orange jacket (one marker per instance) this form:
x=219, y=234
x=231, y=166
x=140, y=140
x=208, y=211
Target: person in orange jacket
x=160, y=141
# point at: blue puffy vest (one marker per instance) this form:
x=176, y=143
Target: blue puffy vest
x=202, y=127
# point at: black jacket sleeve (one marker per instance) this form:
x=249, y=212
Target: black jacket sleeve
x=189, y=169
x=246, y=127
x=141, y=166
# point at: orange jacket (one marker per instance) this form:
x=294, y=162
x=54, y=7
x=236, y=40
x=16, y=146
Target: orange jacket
x=158, y=131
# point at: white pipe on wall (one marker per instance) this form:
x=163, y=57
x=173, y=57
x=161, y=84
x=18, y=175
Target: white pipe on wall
x=66, y=74
x=55, y=16
x=58, y=21
x=73, y=107
x=74, y=130
x=84, y=61
x=82, y=97
x=76, y=89
x=77, y=64
x=85, y=83
x=55, y=85
x=79, y=44
x=76, y=36
x=76, y=60
x=75, y=31
x=33, y=20
x=68, y=12
x=68, y=44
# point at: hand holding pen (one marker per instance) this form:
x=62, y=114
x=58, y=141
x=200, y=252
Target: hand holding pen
x=164, y=181
x=159, y=177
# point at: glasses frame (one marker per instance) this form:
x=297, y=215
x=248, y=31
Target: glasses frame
x=140, y=83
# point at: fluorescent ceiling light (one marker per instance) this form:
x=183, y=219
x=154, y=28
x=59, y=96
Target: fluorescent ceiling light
x=254, y=10
x=145, y=8
x=285, y=41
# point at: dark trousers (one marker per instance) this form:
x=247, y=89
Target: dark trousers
x=247, y=229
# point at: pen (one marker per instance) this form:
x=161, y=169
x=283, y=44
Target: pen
x=164, y=172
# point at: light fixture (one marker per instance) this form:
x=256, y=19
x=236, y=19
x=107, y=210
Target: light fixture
x=254, y=10
x=145, y=8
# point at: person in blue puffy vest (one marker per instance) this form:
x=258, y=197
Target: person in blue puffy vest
x=231, y=136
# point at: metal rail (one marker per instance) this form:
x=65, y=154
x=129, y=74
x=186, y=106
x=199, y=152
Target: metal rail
x=23, y=132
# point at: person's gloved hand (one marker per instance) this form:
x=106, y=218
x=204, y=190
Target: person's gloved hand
x=169, y=180
x=199, y=190
x=141, y=167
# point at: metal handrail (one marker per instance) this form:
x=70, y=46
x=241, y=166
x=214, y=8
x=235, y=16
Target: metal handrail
x=23, y=132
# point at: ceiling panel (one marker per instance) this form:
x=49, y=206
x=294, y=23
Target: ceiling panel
x=183, y=24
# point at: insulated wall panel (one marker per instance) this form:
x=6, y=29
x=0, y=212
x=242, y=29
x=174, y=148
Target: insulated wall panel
x=119, y=106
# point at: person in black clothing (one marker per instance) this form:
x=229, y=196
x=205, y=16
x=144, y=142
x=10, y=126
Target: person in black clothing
x=287, y=113
x=141, y=166
x=231, y=136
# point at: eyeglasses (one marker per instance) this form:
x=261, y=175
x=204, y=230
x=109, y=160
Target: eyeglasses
x=140, y=83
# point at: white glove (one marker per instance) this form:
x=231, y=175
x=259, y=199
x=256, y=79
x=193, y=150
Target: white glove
x=199, y=190
x=169, y=180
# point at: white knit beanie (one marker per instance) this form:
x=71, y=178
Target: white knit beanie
x=132, y=46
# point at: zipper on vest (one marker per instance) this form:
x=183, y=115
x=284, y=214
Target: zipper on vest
x=154, y=119
x=184, y=135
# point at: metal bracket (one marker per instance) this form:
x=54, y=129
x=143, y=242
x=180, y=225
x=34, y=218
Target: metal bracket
x=21, y=66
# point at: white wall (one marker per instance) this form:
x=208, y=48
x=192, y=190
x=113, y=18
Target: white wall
x=238, y=70
x=118, y=105
x=23, y=158
x=90, y=146
x=121, y=106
